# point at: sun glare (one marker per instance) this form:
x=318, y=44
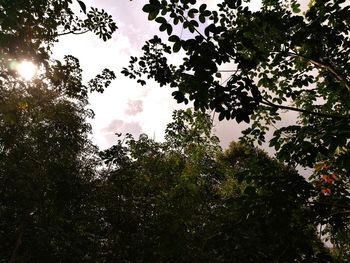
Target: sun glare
x=27, y=69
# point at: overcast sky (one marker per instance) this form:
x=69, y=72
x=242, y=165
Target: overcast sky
x=126, y=106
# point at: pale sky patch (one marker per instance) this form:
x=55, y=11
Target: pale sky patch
x=134, y=107
x=118, y=126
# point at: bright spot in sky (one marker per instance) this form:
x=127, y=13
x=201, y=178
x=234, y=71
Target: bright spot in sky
x=26, y=69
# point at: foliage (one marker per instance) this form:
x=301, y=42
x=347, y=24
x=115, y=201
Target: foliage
x=46, y=174
x=29, y=28
x=155, y=194
x=185, y=204
x=252, y=66
x=48, y=209
x=269, y=212
x=28, y=31
x=273, y=59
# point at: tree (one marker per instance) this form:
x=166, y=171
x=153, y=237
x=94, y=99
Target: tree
x=157, y=194
x=252, y=65
x=181, y=201
x=268, y=214
x=46, y=174
x=47, y=163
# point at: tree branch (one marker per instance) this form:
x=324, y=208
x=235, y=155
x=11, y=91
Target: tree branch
x=323, y=65
x=73, y=32
x=195, y=29
x=320, y=114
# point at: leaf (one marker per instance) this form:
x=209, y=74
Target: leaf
x=163, y=27
x=82, y=6
x=202, y=8
x=148, y=8
x=153, y=14
x=194, y=23
x=221, y=116
x=161, y=20
x=177, y=46
x=174, y=38
x=296, y=7
x=169, y=29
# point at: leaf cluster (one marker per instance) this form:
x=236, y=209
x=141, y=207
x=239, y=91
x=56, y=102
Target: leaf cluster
x=273, y=59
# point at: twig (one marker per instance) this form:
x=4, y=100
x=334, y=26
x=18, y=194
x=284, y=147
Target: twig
x=73, y=32
x=320, y=114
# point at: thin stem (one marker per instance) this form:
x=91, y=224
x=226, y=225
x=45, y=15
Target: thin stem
x=73, y=32
x=195, y=29
x=228, y=70
x=320, y=114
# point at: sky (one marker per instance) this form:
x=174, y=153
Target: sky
x=127, y=107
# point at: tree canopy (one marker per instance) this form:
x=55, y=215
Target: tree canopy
x=191, y=202
x=30, y=28
x=47, y=163
x=46, y=171
x=28, y=31
x=251, y=65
